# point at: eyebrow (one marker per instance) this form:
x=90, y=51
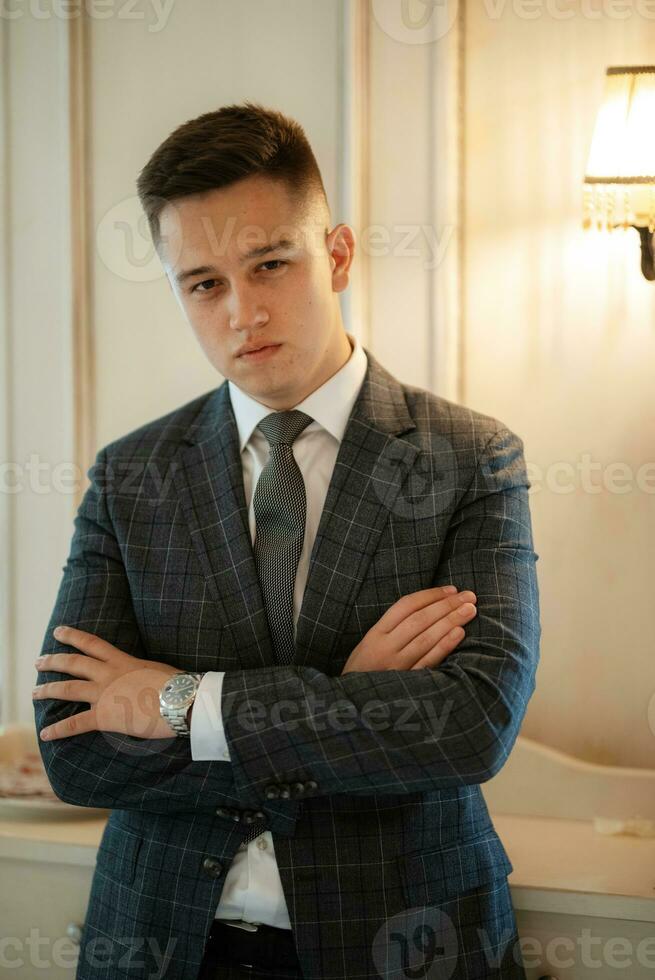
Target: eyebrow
x=280, y=244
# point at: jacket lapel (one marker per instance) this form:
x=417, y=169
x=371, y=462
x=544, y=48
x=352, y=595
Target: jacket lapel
x=209, y=482
x=371, y=466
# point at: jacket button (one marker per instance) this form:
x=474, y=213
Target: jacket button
x=222, y=812
x=248, y=816
x=298, y=788
x=260, y=815
x=285, y=792
x=311, y=784
x=272, y=792
x=212, y=867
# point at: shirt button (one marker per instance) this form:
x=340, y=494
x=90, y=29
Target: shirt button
x=261, y=843
x=226, y=753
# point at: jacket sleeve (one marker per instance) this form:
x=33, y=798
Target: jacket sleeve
x=108, y=769
x=408, y=731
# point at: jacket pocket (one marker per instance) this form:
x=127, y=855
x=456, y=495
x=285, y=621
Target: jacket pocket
x=430, y=877
x=118, y=854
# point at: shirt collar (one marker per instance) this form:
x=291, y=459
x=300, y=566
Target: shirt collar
x=330, y=405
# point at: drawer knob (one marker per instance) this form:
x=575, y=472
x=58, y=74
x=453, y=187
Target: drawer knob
x=74, y=932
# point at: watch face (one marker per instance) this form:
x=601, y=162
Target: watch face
x=178, y=690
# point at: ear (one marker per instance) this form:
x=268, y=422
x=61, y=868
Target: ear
x=341, y=250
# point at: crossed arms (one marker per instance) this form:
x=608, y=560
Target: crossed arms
x=390, y=731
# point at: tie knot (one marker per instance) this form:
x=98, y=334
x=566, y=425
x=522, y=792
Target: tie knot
x=284, y=427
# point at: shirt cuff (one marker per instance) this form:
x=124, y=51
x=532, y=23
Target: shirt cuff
x=208, y=742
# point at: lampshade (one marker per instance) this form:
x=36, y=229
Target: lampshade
x=620, y=177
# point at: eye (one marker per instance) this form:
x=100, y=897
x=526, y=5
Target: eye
x=273, y=262
x=203, y=283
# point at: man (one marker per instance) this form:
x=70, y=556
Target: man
x=262, y=671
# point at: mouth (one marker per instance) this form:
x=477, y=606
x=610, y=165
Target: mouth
x=261, y=354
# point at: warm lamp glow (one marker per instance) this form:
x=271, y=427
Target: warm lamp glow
x=620, y=176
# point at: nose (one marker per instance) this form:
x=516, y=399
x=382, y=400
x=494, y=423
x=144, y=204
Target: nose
x=245, y=309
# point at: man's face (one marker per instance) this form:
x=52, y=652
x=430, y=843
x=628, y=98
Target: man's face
x=250, y=267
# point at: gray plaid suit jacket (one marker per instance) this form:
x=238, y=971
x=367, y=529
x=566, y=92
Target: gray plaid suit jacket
x=369, y=782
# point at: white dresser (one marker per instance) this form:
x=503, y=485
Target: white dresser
x=45, y=878
x=584, y=901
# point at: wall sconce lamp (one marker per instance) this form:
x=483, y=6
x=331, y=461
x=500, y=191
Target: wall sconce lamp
x=619, y=184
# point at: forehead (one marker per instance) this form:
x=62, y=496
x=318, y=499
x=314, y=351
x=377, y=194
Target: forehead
x=230, y=221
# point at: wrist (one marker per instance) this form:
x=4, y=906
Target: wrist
x=191, y=706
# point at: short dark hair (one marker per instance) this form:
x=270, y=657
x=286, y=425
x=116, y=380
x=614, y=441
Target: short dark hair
x=219, y=148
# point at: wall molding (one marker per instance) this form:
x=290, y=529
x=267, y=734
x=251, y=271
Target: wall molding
x=356, y=165
x=405, y=156
x=36, y=359
x=445, y=111
x=84, y=375
x=7, y=529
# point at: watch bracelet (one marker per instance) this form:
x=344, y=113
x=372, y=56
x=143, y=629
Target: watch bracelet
x=186, y=733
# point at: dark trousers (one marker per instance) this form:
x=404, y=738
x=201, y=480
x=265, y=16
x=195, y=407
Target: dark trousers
x=234, y=954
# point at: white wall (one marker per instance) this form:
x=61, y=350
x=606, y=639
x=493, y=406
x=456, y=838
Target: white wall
x=556, y=324
x=146, y=77
x=284, y=53
x=559, y=342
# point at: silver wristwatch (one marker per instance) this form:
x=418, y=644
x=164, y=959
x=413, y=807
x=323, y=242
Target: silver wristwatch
x=176, y=697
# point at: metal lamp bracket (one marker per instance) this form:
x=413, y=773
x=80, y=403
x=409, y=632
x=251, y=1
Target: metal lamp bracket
x=647, y=252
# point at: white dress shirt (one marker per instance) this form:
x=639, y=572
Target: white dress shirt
x=253, y=890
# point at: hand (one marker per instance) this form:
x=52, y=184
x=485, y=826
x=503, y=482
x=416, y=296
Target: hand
x=122, y=691
x=419, y=630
